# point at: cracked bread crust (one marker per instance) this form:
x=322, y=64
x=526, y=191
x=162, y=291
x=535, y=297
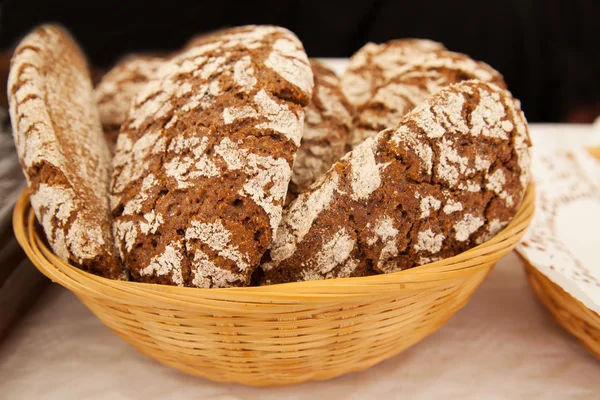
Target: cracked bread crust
x=118, y=87
x=327, y=122
x=451, y=175
x=414, y=82
x=204, y=159
x=61, y=148
x=374, y=64
x=326, y=127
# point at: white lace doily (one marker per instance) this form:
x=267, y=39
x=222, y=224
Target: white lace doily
x=563, y=241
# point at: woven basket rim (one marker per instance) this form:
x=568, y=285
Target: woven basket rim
x=431, y=274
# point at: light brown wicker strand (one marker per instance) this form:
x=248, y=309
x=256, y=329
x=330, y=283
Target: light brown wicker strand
x=569, y=312
x=279, y=334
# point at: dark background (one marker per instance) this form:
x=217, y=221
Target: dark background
x=548, y=51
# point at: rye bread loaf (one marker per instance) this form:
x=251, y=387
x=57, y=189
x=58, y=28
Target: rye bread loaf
x=326, y=127
x=451, y=175
x=374, y=64
x=117, y=88
x=413, y=83
x=203, y=162
x=61, y=148
x=327, y=123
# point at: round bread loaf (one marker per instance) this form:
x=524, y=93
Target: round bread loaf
x=414, y=82
x=118, y=87
x=203, y=162
x=326, y=127
x=451, y=175
x=374, y=64
x=61, y=148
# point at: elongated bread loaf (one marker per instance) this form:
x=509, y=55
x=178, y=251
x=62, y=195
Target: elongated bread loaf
x=62, y=151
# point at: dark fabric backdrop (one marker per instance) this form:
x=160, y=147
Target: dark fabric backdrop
x=548, y=50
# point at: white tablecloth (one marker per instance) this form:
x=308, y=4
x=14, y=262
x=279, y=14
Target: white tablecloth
x=503, y=344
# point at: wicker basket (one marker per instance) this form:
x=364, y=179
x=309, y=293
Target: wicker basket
x=280, y=334
x=569, y=312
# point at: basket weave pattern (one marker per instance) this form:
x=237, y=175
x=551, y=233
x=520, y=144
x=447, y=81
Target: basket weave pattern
x=280, y=334
x=569, y=312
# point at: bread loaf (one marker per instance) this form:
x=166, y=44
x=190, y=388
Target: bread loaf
x=451, y=175
x=118, y=87
x=204, y=159
x=413, y=83
x=61, y=148
x=327, y=123
x=326, y=127
x=374, y=64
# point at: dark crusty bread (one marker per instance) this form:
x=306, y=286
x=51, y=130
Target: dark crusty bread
x=118, y=87
x=326, y=127
x=203, y=162
x=451, y=175
x=61, y=149
x=374, y=64
x=413, y=83
x=327, y=122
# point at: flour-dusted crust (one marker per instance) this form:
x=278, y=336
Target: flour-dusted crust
x=414, y=82
x=374, y=64
x=118, y=87
x=204, y=159
x=326, y=127
x=327, y=122
x=451, y=175
x=61, y=148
